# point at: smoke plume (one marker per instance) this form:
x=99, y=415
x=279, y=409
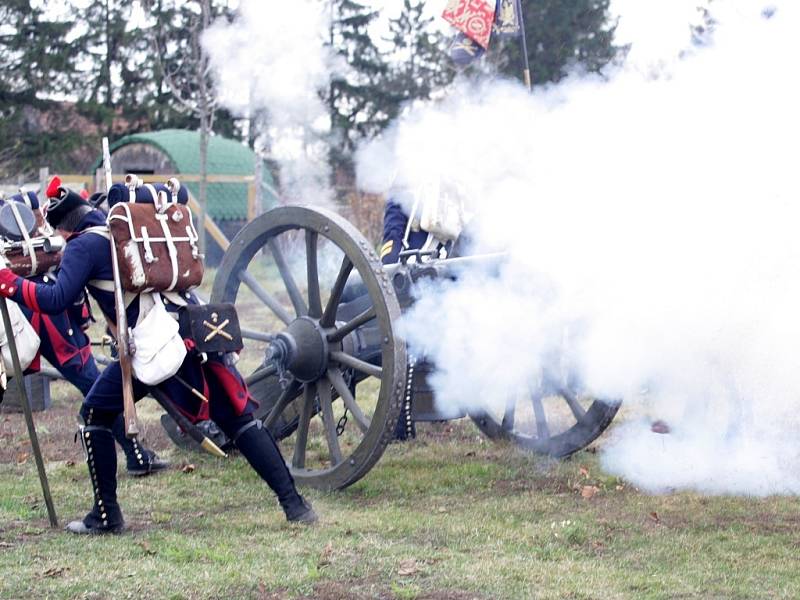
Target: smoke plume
x=271, y=60
x=650, y=220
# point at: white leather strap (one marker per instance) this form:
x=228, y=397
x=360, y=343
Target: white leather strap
x=148, y=250
x=173, y=251
x=29, y=249
x=105, y=285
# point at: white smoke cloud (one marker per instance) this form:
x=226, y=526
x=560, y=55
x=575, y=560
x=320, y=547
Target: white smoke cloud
x=271, y=58
x=651, y=225
x=656, y=30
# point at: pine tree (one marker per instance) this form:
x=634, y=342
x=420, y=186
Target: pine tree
x=355, y=99
x=37, y=63
x=562, y=35
x=420, y=62
x=182, y=67
x=116, y=75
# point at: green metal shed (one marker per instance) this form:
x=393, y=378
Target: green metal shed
x=177, y=151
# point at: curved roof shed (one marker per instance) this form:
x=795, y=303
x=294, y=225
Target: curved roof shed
x=177, y=151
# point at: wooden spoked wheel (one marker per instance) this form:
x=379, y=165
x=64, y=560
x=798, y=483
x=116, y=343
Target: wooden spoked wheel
x=287, y=273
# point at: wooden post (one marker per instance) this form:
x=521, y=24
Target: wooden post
x=252, y=204
x=212, y=228
x=44, y=176
x=26, y=408
x=259, y=178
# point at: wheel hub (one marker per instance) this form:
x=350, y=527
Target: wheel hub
x=302, y=349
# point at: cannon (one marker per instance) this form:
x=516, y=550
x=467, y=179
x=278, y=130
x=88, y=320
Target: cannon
x=319, y=312
x=323, y=359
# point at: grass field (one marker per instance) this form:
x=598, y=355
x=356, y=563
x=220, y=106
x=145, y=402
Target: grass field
x=449, y=516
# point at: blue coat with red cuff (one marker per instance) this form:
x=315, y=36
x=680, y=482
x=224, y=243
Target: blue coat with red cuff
x=63, y=341
x=87, y=258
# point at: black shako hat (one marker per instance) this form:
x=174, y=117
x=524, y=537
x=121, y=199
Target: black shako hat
x=63, y=205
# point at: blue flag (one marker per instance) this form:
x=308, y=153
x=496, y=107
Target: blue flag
x=464, y=50
x=506, y=20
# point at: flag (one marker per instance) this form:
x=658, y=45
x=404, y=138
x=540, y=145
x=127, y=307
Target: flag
x=478, y=21
x=506, y=21
x=473, y=18
x=464, y=50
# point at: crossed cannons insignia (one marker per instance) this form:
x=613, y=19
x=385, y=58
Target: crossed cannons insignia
x=216, y=330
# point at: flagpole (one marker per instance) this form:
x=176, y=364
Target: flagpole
x=526, y=71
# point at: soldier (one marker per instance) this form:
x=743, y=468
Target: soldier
x=65, y=345
x=408, y=212
x=401, y=232
x=87, y=262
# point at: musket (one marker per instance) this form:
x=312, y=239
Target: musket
x=5, y=247
x=184, y=423
x=49, y=244
x=164, y=401
x=124, y=349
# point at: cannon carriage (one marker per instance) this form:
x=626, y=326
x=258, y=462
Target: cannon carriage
x=331, y=373
x=323, y=358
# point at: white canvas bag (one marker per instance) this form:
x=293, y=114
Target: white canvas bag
x=441, y=210
x=25, y=336
x=160, y=351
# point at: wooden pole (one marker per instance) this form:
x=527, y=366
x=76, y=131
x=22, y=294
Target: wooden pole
x=26, y=408
x=526, y=69
x=44, y=177
x=210, y=225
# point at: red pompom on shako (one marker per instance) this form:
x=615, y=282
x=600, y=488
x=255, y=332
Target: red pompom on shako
x=52, y=189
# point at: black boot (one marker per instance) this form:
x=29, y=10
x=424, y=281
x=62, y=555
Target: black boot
x=101, y=458
x=139, y=460
x=258, y=447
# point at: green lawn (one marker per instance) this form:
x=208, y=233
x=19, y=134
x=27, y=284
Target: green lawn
x=449, y=516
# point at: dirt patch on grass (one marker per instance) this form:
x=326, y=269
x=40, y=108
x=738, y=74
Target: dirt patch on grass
x=56, y=427
x=441, y=431
x=373, y=588
x=762, y=523
x=543, y=484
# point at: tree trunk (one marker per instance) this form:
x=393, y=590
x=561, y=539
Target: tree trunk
x=206, y=110
x=202, y=200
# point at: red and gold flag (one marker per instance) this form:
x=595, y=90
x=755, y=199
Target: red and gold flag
x=474, y=18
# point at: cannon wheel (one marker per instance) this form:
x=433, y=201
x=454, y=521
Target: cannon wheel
x=553, y=420
x=278, y=296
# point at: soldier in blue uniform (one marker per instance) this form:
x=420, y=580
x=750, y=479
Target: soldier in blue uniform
x=400, y=235
x=87, y=264
x=65, y=345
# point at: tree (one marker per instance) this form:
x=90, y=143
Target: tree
x=355, y=98
x=116, y=68
x=562, y=35
x=420, y=64
x=183, y=66
x=37, y=61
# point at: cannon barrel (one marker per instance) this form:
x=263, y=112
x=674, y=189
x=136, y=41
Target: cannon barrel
x=406, y=274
